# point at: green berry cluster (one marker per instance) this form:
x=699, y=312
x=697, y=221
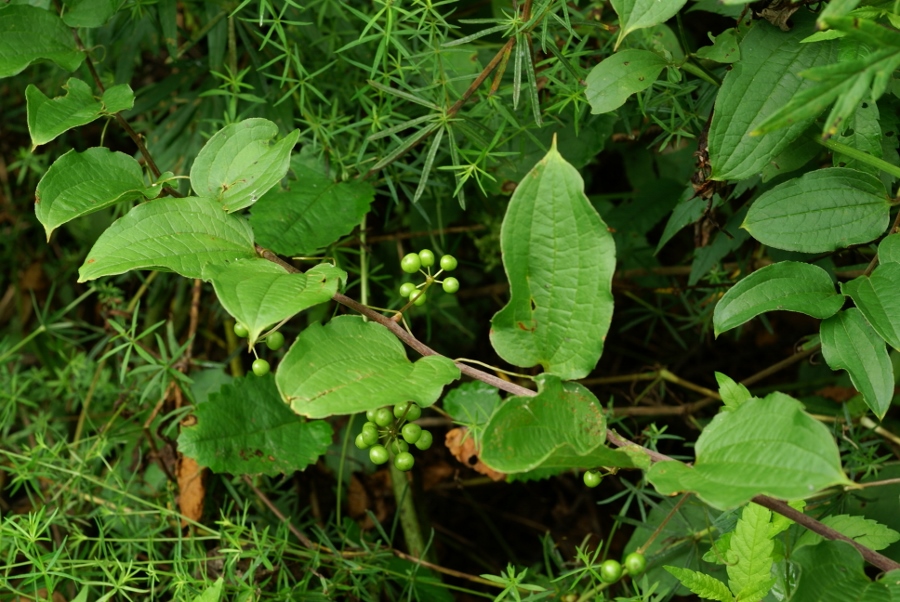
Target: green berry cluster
x=612, y=570
x=388, y=433
x=423, y=261
x=274, y=341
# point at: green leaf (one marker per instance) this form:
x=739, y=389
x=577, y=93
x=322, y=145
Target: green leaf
x=876, y=298
x=245, y=428
x=352, y=366
x=640, y=14
x=560, y=259
x=31, y=33
x=562, y=427
x=48, y=118
x=471, y=403
x=849, y=343
x=750, y=553
x=81, y=183
x=785, y=286
x=862, y=132
x=610, y=83
x=725, y=48
x=313, y=213
x=89, y=13
x=702, y=584
x=889, y=249
x=821, y=211
x=180, y=235
x=767, y=446
x=689, y=209
x=733, y=394
x=832, y=571
x=213, y=593
x=867, y=532
x=259, y=293
x=765, y=79
x=238, y=164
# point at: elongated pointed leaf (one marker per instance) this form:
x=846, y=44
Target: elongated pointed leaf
x=849, y=343
x=562, y=427
x=639, y=14
x=81, y=183
x=749, y=556
x=239, y=164
x=821, y=211
x=560, y=258
x=876, y=297
x=245, y=428
x=31, y=33
x=766, y=446
x=764, y=80
x=89, y=13
x=259, y=293
x=705, y=586
x=617, y=77
x=181, y=235
x=313, y=213
x=352, y=366
x=866, y=531
x=785, y=286
x=50, y=117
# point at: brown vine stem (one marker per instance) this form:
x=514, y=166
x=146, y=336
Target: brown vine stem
x=882, y=562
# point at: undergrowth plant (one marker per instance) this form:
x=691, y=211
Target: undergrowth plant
x=240, y=184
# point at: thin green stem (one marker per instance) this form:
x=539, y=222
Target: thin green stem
x=861, y=156
x=406, y=509
x=696, y=69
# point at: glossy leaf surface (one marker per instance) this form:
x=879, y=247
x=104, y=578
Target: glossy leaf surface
x=560, y=258
x=767, y=446
x=352, y=366
x=246, y=428
x=177, y=234
x=81, y=183
x=240, y=163
x=787, y=286
x=821, y=211
x=849, y=343
x=562, y=427
x=259, y=293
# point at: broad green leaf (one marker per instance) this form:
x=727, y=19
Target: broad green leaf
x=259, y=293
x=31, y=33
x=794, y=156
x=610, y=83
x=785, y=286
x=472, y=403
x=213, y=593
x=352, y=366
x=763, y=81
x=725, y=48
x=180, y=235
x=238, y=164
x=862, y=132
x=889, y=249
x=89, y=13
x=876, y=297
x=821, y=211
x=560, y=259
x=689, y=209
x=563, y=426
x=733, y=394
x=867, y=532
x=50, y=117
x=849, y=343
x=749, y=559
x=639, y=14
x=832, y=571
x=702, y=584
x=767, y=446
x=245, y=428
x=313, y=213
x=81, y=183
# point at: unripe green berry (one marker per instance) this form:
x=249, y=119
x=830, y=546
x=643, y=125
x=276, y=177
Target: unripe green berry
x=241, y=330
x=426, y=257
x=411, y=432
x=370, y=435
x=450, y=285
x=383, y=417
x=419, y=299
x=370, y=415
x=406, y=289
x=360, y=442
x=411, y=263
x=592, y=478
x=448, y=262
x=636, y=563
x=398, y=446
x=610, y=571
x=424, y=441
x=413, y=413
x=378, y=454
x=275, y=341
x=404, y=461
x=260, y=367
